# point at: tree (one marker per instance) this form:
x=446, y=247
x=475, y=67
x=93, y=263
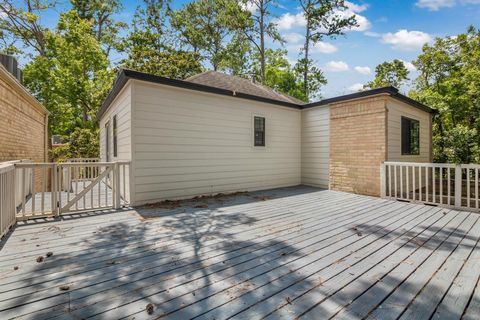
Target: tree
x=279, y=75
x=21, y=22
x=254, y=20
x=323, y=18
x=204, y=25
x=72, y=77
x=389, y=74
x=148, y=48
x=100, y=13
x=449, y=81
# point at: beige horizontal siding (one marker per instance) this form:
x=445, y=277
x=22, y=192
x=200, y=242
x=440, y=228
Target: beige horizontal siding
x=188, y=143
x=396, y=110
x=121, y=107
x=315, y=146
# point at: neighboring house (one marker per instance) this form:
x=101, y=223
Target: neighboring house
x=215, y=133
x=23, y=120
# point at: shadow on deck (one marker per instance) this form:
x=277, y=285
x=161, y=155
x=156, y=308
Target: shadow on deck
x=293, y=252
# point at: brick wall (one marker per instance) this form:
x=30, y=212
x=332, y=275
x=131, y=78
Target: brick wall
x=22, y=123
x=358, y=131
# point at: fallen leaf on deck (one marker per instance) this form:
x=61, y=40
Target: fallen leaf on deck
x=39, y=259
x=64, y=287
x=149, y=308
x=49, y=254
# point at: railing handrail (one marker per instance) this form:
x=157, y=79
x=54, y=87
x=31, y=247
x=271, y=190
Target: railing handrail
x=83, y=160
x=70, y=164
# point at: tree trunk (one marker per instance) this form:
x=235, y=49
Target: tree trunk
x=306, y=52
x=262, y=42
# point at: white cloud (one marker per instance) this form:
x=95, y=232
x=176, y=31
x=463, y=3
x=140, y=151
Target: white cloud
x=363, y=70
x=293, y=37
x=352, y=9
x=336, y=66
x=406, y=40
x=410, y=67
x=435, y=5
x=249, y=6
x=372, y=34
x=356, y=7
x=325, y=47
x=289, y=21
x=355, y=87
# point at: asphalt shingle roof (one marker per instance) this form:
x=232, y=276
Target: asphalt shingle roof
x=237, y=84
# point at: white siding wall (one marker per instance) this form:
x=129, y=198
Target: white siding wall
x=315, y=146
x=396, y=110
x=121, y=107
x=188, y=143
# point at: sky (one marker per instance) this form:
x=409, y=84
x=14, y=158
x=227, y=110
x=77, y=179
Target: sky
x=388, y=29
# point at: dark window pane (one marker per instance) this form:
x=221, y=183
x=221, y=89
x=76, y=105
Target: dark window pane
x=114, y=135
x=410, y=136
x=259, y=131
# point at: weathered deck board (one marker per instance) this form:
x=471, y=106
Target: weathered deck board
x=284, y=253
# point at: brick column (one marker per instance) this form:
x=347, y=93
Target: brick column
x=358, y=144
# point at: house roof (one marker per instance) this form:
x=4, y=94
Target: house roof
x=237, y=84
x=227, y=85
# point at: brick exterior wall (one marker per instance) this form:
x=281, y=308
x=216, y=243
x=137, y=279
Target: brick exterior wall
x=22, y=123
x=358, y=145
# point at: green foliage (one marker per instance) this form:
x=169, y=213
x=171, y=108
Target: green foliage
x=389, y=74
x=104, y=27
x=324, y=18
x=204, y=25
x=148, y=49
x=81, y=143
x=256, y=26
x=313, y=81
x=279, y=75
x=72, y=77
x=449, y=81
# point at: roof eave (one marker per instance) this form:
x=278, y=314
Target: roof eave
x=391, y=91
x=124, y=75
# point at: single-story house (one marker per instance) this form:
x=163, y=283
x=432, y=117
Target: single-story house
x=23, y=119
x=217, y=133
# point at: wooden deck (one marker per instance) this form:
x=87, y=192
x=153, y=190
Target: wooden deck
x=280, y=254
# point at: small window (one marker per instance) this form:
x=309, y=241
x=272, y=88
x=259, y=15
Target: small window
x=410, y=136
x=259, y=124
x=115, y=135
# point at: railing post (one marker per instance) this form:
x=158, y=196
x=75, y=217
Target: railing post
x=458, y=185
x=55, y=190
x=383, y=182
x=116, y=185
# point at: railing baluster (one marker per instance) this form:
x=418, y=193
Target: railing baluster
x=43, y=190
x=401, y=182
x=33, y=191
x=99, y=188
x=414, y=191
x=468, y=187
x=124, y=197
x=389, y=181
x=449, y=186
x=75, y=179
x=434, y=182
x=426, y=184
x=477, y=171
x=23, y=191
x=407, y=182
x=441, y=184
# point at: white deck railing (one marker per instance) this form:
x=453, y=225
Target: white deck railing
x=7, y=197
x=449, y=185
x=56, y=188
